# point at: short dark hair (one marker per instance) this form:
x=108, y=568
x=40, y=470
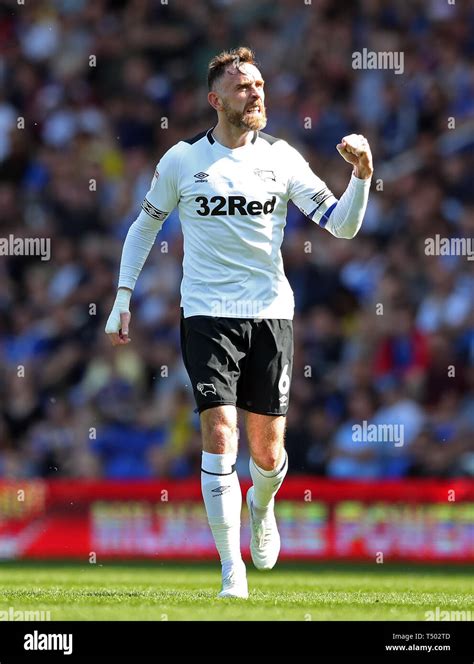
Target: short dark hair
x=219, y=63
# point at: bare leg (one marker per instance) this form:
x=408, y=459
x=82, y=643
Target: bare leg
x=268, y=466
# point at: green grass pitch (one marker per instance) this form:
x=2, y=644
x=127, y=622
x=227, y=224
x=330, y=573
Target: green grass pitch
x=161, y=591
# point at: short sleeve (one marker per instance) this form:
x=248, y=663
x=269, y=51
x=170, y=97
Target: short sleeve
x=163, y=195
x=307, y=191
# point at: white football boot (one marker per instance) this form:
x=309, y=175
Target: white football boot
x=234, y=582
x=265, y=538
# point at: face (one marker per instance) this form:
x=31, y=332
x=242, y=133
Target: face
x=240, y=97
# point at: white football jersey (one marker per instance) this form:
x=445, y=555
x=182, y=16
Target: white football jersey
x=232, y=205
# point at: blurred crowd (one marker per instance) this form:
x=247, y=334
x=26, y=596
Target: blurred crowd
x=93, y=92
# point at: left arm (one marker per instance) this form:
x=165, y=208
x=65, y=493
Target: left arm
x=346, y=219
x=347, y=215
x=343, y=217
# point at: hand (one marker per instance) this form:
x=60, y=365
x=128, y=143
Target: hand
x=355, y=149
x=119, y=319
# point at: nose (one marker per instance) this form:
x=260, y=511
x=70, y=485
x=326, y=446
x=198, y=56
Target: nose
x=256, y=94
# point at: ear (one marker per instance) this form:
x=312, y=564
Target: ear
x=214, y=100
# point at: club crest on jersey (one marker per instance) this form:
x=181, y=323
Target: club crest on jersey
x=206, y=388
x=265, y=175
x=201, y=177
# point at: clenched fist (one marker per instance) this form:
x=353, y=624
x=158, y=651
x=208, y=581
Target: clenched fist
x=355, y=149
x=119, y=319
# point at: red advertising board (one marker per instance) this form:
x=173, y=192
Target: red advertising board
x=318, y=519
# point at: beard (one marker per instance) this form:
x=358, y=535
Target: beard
x=245, y=120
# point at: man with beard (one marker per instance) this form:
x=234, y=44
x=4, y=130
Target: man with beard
x=231, y=184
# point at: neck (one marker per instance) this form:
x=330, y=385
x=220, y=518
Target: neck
x=232, y=137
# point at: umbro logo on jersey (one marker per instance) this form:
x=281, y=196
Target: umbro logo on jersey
x=265, y=175
x=201, y=177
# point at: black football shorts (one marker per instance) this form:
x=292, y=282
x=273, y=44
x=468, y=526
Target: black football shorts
x=244, y=362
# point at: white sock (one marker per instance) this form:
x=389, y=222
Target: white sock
x=267, y=482
x=223, y=500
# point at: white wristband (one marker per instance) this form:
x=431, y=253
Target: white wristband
x=121, y=305
x=122, y=300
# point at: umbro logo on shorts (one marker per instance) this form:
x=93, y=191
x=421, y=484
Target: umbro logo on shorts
x=206, y=388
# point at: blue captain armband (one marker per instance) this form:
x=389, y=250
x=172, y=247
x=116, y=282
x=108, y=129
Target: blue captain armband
x=325, y=218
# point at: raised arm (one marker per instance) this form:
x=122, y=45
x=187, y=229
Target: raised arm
x=343, y=217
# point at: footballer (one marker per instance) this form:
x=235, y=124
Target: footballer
x=231, y=184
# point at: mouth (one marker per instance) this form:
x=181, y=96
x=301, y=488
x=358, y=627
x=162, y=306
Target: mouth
x=254, y=110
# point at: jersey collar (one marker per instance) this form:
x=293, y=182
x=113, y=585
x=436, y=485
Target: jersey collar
x=213, y=141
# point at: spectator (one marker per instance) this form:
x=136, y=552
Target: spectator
x=104, y=89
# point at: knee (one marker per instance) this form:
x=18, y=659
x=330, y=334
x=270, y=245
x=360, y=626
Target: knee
x=219, y=435
x=222, y=438
x=270, y=459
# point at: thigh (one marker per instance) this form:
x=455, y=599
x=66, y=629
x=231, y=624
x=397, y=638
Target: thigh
x=213, y=349
x=265, y=385
x=265, y=435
